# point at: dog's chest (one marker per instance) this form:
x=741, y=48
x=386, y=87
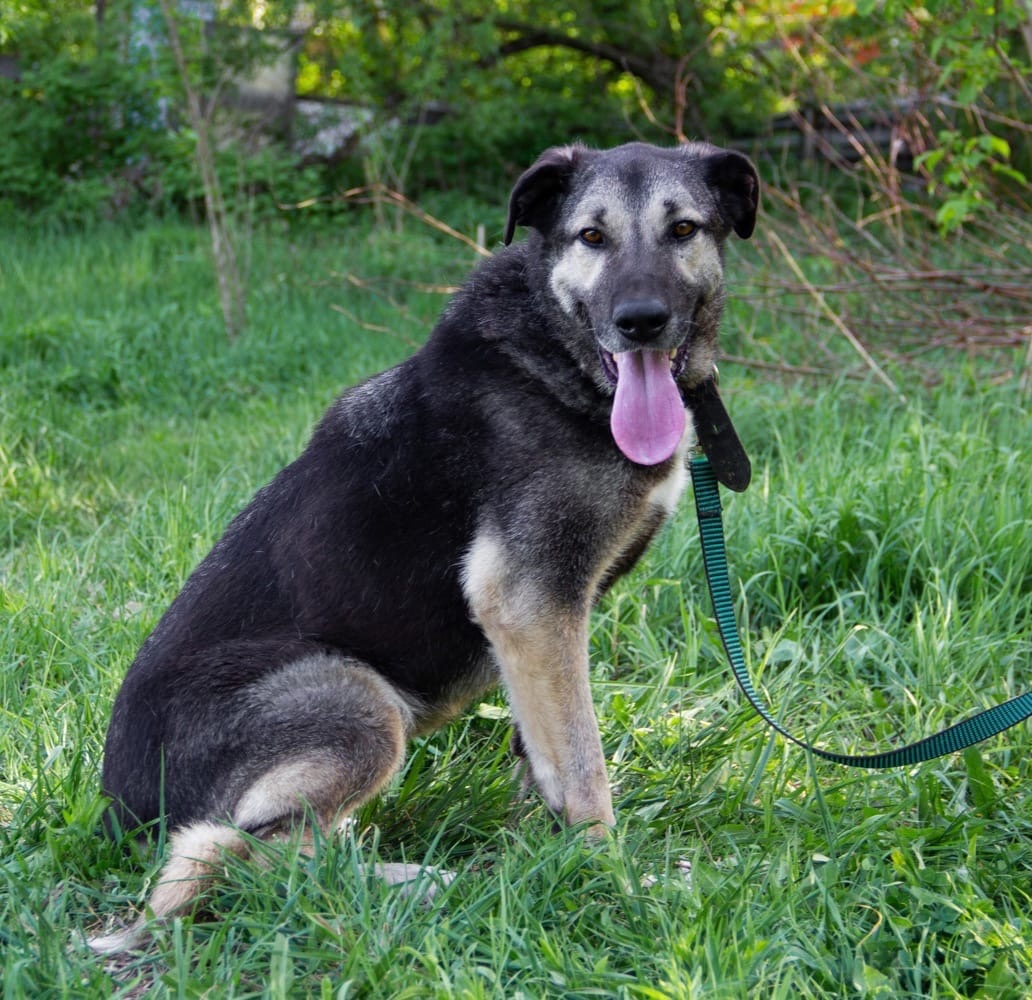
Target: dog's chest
x=664, y=495
x=642, y=518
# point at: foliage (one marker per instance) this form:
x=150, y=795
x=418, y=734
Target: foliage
x=980, y=55
x=79, y=134
x=456, y=92
x=963, y=166
x=883, y=580
x=503, y=81
x=35, y=28
x=91, y=133
x=951, y=76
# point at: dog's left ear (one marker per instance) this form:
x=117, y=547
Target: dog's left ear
x=535, y=197
x=733, y=178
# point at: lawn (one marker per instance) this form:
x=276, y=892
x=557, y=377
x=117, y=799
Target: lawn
x=883, y=574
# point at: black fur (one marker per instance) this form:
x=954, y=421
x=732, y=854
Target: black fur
x=500, y=421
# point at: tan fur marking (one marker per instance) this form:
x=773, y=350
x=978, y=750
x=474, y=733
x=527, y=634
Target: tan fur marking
x=280, y=789
x=277, y=799
x=195, y=855
x=542, y=652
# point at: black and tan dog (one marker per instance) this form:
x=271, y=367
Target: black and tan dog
x=449, y=526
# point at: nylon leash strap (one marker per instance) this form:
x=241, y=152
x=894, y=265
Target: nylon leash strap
x=957, y=737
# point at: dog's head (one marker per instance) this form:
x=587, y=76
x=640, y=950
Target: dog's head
x=632, y=239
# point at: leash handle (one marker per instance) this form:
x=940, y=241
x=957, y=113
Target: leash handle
x=963, y=734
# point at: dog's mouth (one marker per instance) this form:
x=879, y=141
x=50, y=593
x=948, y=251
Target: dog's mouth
x=678, y=357
x=648, y=416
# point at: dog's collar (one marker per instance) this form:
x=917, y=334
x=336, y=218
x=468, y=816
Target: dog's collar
x=717, y=436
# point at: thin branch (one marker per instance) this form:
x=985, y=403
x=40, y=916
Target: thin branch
x=654, y=68
x=777, y=366
x=227, y=270
x=373, y=193
x=822, y=304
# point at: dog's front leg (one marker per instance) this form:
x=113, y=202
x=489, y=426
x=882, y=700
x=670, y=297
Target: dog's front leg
x=547, y=683
x=542, y=651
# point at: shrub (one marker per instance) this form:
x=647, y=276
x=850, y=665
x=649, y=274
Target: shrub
x=81, y=137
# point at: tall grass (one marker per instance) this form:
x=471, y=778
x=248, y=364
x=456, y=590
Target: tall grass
x=884, y=578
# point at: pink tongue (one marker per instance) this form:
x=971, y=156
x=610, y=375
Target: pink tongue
x=648, y=414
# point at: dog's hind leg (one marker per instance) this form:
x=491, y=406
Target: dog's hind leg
x=195, y=855
x=326, y=734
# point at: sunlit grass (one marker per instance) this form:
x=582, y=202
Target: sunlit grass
x=884, y=578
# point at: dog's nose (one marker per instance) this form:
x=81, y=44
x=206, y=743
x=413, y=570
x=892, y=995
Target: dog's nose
x=641, y=320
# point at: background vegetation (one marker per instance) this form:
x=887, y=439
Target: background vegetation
x=91, y=126
x=877, y=368
x=883, y=575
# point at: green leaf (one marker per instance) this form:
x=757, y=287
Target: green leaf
x=930, y=160
x=953, y=213
x=980, y=784
x=1004, y=170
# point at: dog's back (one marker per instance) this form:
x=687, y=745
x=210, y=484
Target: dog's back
x=356, y=547
x=450, y=524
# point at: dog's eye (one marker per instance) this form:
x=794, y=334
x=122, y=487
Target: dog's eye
x=593, y=237
x=684, y=229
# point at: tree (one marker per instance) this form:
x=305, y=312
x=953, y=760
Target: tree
x=400, y=51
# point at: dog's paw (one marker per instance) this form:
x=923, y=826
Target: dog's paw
x=682, y=873
x=118, y=942
x=421, y=881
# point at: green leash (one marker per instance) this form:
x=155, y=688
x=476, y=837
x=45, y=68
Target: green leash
x=964, y=734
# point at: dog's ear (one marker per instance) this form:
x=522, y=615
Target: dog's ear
x=535, y=197
x=733, y=179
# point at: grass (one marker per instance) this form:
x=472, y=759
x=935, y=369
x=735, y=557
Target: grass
x=883, y=569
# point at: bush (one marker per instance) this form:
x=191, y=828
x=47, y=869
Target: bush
x=81, y=138
x=951, y=78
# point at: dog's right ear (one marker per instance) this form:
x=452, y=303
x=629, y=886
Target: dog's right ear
x=535, y=197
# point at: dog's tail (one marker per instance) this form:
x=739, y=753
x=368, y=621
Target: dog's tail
x=195, y=859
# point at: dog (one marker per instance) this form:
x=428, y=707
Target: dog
x=449, y=527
